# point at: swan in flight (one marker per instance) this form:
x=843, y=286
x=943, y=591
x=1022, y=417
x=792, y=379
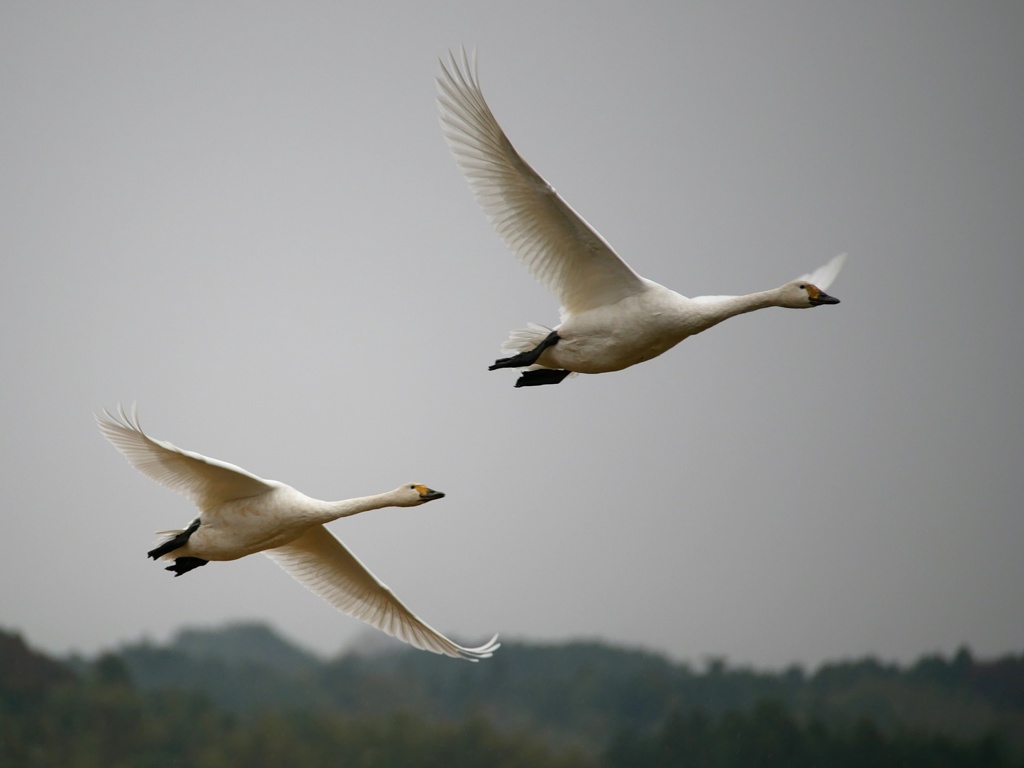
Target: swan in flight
x=611, y=317
x=241, y=514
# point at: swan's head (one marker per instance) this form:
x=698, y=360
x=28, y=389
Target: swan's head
x=414, y=494
x=801, y=294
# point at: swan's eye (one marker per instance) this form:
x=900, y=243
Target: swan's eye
x=803, y=286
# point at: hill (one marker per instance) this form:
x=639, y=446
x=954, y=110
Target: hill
x=244, y=695
x=580, y=693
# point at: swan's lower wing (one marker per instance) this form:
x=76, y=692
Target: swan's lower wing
x=322, y=564
x=559, y=248
x=203, y=480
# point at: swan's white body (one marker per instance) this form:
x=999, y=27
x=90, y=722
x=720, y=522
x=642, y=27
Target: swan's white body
x=611, y=317
x=241, y=514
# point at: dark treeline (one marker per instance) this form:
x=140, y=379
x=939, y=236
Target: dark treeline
x=243, y=695
x=768, y=735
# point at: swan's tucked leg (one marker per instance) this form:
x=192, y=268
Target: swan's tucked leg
x=541, y=376
x=172, y=544
x=523, y=359
x=185, y=564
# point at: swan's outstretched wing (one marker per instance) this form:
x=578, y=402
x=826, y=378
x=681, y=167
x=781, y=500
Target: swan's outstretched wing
x=559, y=248
x=824, y=276
x=205, y=481
x=322, y=563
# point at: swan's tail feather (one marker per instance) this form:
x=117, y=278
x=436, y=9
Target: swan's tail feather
x=525, y=339
x=527, y=344
x=178, y=539
x=173, y=533
x=527, y=358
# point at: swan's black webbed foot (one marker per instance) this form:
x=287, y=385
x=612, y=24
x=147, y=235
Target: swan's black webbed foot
x=172, y=544
x=529, y=357
x=185, y=564
x=541, y=376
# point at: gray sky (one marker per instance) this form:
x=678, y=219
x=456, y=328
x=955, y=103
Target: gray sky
x=245, y=218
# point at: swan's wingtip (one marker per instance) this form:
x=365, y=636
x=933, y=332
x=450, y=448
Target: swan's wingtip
x=826, y=274
x=838, y=261
x=119, y=415
x=484, y=651
x=460, y=67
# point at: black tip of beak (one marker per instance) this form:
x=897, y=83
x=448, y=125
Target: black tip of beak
x=432, y=494
x=824, y=298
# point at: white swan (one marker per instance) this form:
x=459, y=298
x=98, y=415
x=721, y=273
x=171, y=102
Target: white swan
x=611, y=317
x=241, y=514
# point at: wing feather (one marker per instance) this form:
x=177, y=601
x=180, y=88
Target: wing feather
x=825, y=275
x=557, y=246
x=205, y=481
x=321, y=563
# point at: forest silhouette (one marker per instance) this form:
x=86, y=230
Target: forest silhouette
x=242, y=695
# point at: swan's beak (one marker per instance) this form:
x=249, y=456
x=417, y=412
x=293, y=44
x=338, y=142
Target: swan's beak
x=429, y=494
x=822, y=298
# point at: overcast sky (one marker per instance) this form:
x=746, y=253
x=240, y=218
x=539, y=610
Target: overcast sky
x=244, y=217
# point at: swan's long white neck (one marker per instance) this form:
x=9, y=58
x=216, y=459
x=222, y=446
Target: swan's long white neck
x=326, y=511
x=715, y=309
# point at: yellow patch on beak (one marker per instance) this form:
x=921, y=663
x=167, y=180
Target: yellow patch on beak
x=422, y=490
x=812, y=291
